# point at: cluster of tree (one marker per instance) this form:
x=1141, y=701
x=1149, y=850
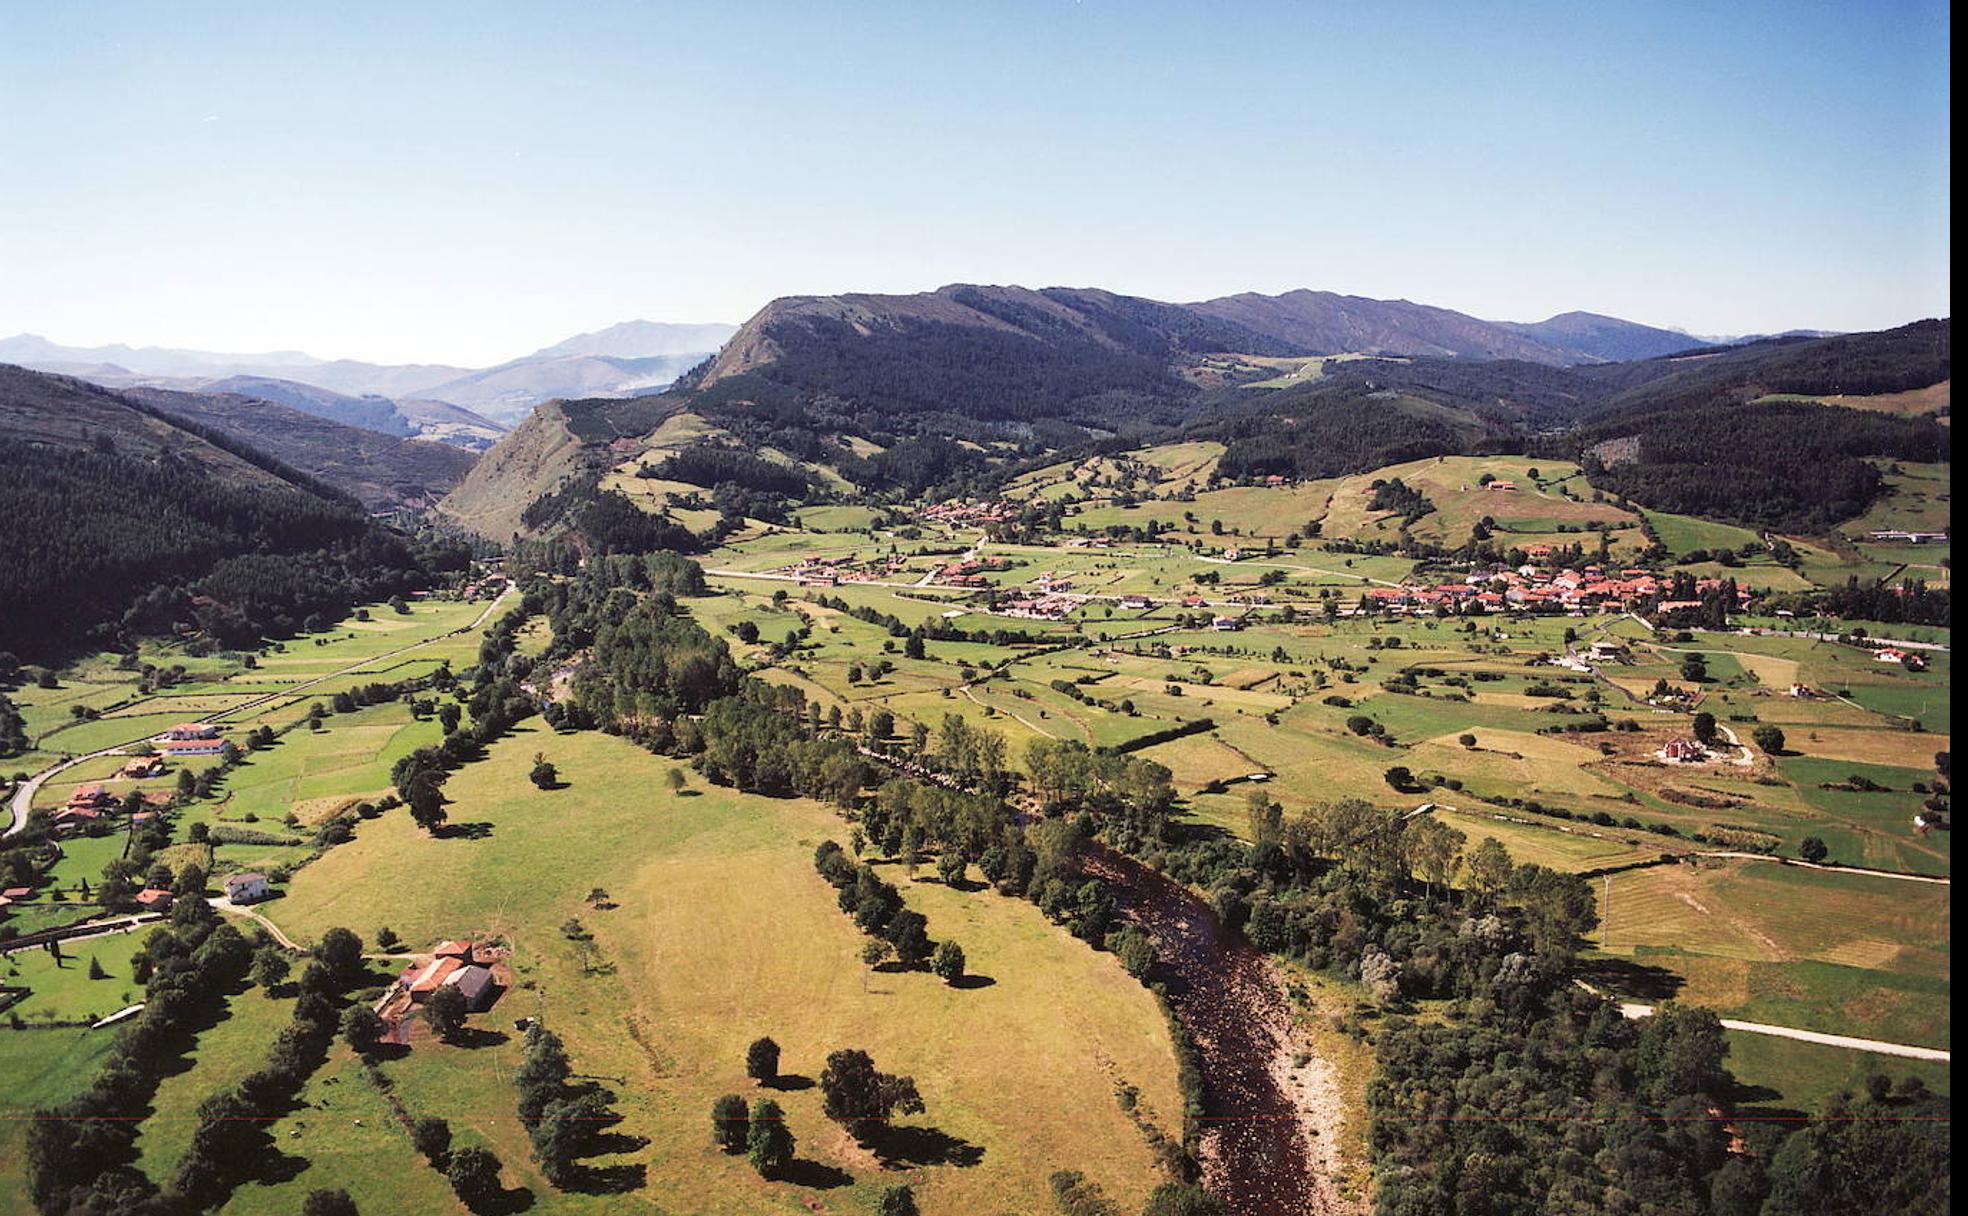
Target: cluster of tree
x=1132, y=796
x=13, y=729
x=756, y=742
x=562, y=1120
x=1329, y=432
x=1909, y=602
x=496, y=704
x=875, y=905
x=1401, y=498
x=710, y=464
x=80, y=1155
x=1810, y=471
x=231, y=1134
x=761, y=1132
x=606, y=521
x=1076, y=1195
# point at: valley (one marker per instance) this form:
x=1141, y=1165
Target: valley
x=1249, y=778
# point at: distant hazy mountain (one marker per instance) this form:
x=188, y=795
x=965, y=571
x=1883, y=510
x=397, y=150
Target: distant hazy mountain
x=619, y=361
x=382, y=471
x=1590, y=337
x=32, y=350
x=507, y=392
x=1324, y=323
x=640, y=340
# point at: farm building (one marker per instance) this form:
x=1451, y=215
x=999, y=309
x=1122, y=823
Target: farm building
x=247, y=888
x=142, y=766
x=179, y=748
x=154, y=899
x=477, y=985
x=1683, y=751
x=186, y=731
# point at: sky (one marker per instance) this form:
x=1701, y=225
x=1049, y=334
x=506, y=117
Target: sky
x=465, y=183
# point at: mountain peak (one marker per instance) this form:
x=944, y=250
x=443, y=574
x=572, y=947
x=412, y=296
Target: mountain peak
x=640, y=339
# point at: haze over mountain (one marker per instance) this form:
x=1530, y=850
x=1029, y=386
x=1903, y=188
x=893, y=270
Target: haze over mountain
x=622, y=360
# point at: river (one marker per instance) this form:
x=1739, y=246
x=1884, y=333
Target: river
x=1253, y=1146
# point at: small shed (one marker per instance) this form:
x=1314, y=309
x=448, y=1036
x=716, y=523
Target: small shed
x=477, y=985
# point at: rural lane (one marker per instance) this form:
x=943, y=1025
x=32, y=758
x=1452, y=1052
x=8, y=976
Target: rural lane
x=1876, y=1046
x=23, y=799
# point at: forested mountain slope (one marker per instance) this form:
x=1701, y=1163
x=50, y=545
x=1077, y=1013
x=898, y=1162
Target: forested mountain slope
x=379, y=470
x=124, y=521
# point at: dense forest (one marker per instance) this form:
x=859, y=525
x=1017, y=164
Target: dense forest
x=1798, y=466
x=100, y=544
x=1332, y=431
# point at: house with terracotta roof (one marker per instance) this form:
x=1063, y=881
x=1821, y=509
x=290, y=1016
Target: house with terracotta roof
x=247, y=888
x=192, y=730
x=154, y=899
x=177, y=749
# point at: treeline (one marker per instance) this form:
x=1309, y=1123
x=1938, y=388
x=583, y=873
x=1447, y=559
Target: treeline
x=714, y=464
x=606, y=521
x=1910, y=602
x=1327, y=433
x=101, y=547
x=81, y=1155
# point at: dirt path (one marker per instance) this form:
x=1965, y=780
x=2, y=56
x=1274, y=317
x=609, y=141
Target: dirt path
x=1876, y=1046
x=1257, y=1127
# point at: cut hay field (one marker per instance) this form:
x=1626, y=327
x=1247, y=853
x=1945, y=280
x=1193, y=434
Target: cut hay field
x=1842, y=953
x=723, y=932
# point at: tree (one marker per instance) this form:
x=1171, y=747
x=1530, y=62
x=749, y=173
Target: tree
x=474, y=1174
x=950, y=867
x=1489, y=868
x=544, y=774
x=270, y=966
x=1467, y=740
x=341, y=950
x=1812, y=849
x=948, y=962
x=1769, y=738
x=861, y=1099
x=1694, y=669
x=762, y=1061
x=444, y=1012
x=328, y=1203
x=769, y=1141
x=362, y=1028
x=676, y=780
x=426, y=802
x=1705, y=728
x=897, y=1201
x=432, y=1138
x=1399, y=778
x=730, y=1123
x=96, y=971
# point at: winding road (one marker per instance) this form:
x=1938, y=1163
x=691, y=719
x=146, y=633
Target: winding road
x=23, y=799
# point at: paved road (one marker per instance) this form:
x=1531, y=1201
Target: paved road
x=1875, y=1046
x=23, y=799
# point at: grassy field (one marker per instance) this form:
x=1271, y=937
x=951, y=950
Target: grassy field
x=723, y=932
x=1848, y=954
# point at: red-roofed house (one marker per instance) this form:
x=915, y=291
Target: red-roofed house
x=154, y=899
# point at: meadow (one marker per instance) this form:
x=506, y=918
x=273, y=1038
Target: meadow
x=721, y=931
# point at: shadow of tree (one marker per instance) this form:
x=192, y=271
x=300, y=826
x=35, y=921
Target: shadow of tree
x=815, y=1175
x=972, y=980
x=1628, y=978
x=791, y=1082
x=903, y=1147
x=477, y=830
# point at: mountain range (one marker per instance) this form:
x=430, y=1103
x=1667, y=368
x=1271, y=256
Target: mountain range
x=621, y=360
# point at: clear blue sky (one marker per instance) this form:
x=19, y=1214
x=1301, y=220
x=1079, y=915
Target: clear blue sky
x=465, y=183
